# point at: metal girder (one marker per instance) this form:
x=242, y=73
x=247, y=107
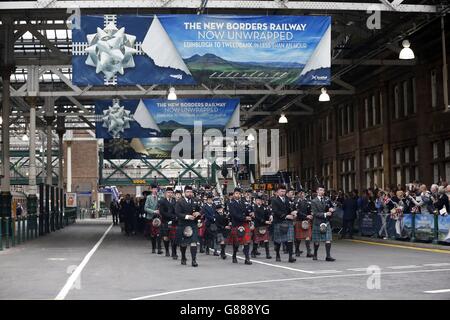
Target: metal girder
x=219, y=4
x=375, y=62
x=268, y=113
x=180, y=92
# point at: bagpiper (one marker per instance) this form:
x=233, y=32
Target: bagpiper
x=223, y=229
x=240, y=230
x=263, y=219
x=322, y=211
x=283, y=219
x=187, y=230
x=208, y=212
x=303, y=224
x=168, y=222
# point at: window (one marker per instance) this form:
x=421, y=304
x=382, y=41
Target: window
x=441, y=160
x=405, y=98
x=373, y=169
x=381, y=107
x=327, y=175
x=396, y=102
x=374, y=111
x=366, y=113
x=414, y=101
x=406, y=164
x=433, y=89
x=347, y=174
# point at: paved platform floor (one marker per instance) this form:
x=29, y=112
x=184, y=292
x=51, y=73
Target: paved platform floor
x=93, y=260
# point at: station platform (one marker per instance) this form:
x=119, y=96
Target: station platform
x=92, y=259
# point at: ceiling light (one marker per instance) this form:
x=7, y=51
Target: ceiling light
x=324, y=96
x=172, y=95
x=25, y=137
x=282, y=119
x=406, y=53
x=251, y=137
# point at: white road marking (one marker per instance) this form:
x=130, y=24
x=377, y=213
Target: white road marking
x=56, y=259
x=281, y=280
x=437, y=264
x=65, y=290
x=438, y=291
x=273, y=265
x=404, y=267
x=327, y=271
x=357, y=269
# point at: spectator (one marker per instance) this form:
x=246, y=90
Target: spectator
x=349, y=206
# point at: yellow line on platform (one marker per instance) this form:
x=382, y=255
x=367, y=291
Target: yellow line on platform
x=403, y=247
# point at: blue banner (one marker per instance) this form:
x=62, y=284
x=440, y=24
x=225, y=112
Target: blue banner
x=195, y=49
x=128, y=119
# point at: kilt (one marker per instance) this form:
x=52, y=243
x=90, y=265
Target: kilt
x=279, y=237
x=300, y=233
x=317, y=236
x=257, y=237
x=164, y=229
x=181, y=239
x=172, y=231
x=202, y=230
x=147, y=227
x=209, y=235
x=234, y=239
x=168, y=230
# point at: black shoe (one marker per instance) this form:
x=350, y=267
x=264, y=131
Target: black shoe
x=268, y=256
x=153, y=251
x=292, y=260
x=309, y=255
x=247, y=261
x=314, y=257
x=167, y=254
x=174, y=257
x=160, y=252
x=223, y=256
x=278, y=259
x=297, y=254
x=194, y=263
x=258, y=253
x=330, y=259
x=235, y=260
x=183, y=262
x=206, y=252
x=216, y=254
x=253, y=254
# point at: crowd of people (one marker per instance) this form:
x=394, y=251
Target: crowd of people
x=201, y=218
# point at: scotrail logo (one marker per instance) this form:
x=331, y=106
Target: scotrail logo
x=321, y=78
x=177, y=76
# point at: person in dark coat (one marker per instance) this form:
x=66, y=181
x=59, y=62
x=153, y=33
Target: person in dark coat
x=283, y=221
x=350, y=206
x=114, y=208
x=166, y=207
x=208, y=212
x=128, y=210
x=187, y=230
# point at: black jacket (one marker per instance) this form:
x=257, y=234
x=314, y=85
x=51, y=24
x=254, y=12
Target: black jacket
x=167, y=210
x=279, y=209
x=222, y=221
x=262, y=214
x=303, y=208
x=238, y=212
x=183, y=208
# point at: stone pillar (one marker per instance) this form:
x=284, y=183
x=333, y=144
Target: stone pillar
x=32, y=184
x=49, y=118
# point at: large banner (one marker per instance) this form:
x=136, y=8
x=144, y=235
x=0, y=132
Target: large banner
x=195, y=49
x=145, y=118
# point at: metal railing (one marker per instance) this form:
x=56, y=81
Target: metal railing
x=18, y=230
